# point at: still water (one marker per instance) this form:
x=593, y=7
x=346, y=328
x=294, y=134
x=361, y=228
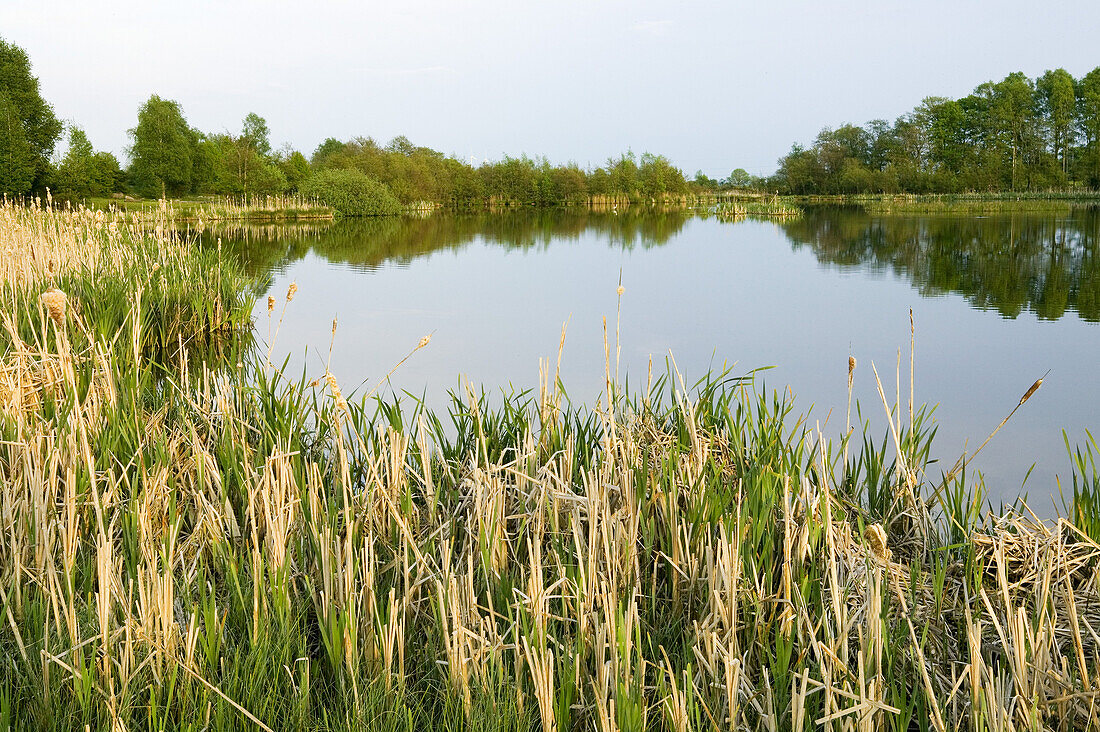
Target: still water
x=997, y=302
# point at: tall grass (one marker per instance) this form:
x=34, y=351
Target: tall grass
x=771, y=208
x=267, y=208
x=201, y=548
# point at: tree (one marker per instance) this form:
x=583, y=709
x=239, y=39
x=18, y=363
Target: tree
x=248, y=166
x=162, y=152
x=294, y=166
x=1058, y=102
x=1089, y=120
x=657, y=177
x=739, y=178
x=1014, y=113
x=74, y=174
x=106, y=174
x=40, y=128
x=16, y=154
x=254, y=134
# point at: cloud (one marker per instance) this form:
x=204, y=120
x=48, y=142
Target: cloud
x=651, y=27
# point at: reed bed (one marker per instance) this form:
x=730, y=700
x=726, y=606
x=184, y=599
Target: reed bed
x=960, y=204
x=952, y=206
x=278, y=208
x=768, y=208
x=199, y=548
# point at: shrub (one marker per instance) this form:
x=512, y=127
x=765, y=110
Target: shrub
x=351, y=193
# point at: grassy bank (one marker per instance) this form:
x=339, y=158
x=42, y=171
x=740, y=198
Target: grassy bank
x=216, y=545
x=960, y=203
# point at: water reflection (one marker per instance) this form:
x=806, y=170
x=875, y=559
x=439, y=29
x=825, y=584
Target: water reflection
x=1046, y=264
x=368, y=244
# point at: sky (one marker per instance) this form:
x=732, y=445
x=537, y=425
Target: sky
x=712, y=85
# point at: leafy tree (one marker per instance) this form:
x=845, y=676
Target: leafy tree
x=1089, y=120
x=73, y=178
x=106, y=174
x=40, y=128
x=623, y=175
x=739, y=178
x=254, y=134
x=84, y=172
x=947, y=133
x=294, y=167
x=1014, y=114
x=705, y=182
x=162, y=153
x=16, y=154
x=327, y=151
x=658, y=177
x=247, y=167
x=1058, y=102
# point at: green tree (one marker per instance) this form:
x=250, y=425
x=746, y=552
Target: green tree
x=16, y=154
x=1014, y=114
x=106, y=174
x=255, y=134
x=739, y=178
x=294, y=166
x=40, y=128
x=162, y=153
x=947, y=133
x=1089, y=121
x=1058, y=103
x=73, y=178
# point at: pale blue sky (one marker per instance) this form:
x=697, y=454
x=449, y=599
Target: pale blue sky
x=712, y=85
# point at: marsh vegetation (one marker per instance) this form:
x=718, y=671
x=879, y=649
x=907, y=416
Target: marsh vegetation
x=212, y=543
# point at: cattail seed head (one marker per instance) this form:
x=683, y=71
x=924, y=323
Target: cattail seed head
x=334, y=390
x=55, y=302
x=291, y=291
x=621, y=290
x=875, y=536
x=270, y=303
x=851, y=369
x=424, y=341
x=1034, y=388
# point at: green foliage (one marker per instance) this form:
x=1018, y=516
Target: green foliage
x=84, y=172
x=16, y=154
x=295, y=168
x=40, y=128
x=1013, y=135
x=351, y=193
x=163, y=150
x=419, y=174
x=1002, y=261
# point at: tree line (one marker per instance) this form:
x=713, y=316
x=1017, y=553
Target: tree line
x=1013, y=135
x=1018, y=134
x=170, y=158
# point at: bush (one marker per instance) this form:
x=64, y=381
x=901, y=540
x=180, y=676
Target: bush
x=351, y=193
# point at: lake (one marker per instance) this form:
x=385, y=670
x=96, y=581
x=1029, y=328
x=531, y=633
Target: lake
x=997, y=302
